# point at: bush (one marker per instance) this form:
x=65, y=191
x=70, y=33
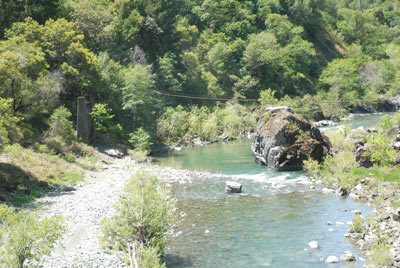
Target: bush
x=357, y=224
x=379, y=149
x=61, y=128
x=25, y=238
x=339, y=141
x=267, y=97
x=312, y=167
x=336, y=170
x=144, y=216
x=139, y=156
x=380, y=256
x=171, y=126
x=103, y=117
x=9, y=131
x=140, y=140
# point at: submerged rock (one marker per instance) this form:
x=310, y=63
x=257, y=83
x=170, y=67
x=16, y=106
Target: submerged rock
x=283, y=140
x=233, y=187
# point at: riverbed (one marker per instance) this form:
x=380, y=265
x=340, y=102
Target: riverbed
x=269, y=225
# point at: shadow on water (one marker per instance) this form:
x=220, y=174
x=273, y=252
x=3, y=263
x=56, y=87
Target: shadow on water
x=175, y=260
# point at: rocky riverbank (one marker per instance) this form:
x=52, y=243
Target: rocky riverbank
x=84, y=206
x=378, y=234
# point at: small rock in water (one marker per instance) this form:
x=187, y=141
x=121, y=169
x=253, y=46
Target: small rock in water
x=313, y=244
x=178, y=149
x=342, y=192
x=329, y=223
x=356, y=211
x=332, y=259
x=312, y=187
x=206, y=231
x=321, y=259
x=233, y=187
x=331, y=230
x=348, y=256
x=327, y=191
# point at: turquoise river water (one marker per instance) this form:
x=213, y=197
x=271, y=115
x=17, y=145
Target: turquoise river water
x=269, y=225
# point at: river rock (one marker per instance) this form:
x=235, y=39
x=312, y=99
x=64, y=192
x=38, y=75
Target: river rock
x=348, y=256
x=390, y=105
x=233, y=187
x=313, y=245
x=356, y=211
x=342, y=192
x=283, y=140
x=114, y=153
x=332, y=259
x=327, y=191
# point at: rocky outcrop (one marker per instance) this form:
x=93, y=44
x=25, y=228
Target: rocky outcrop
x=390, y=105
x=283, y=140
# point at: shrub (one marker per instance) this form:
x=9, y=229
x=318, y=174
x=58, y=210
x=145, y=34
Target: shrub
x=103, y=117
x=9, y=131
x=138, y=155
x=380, y=256
x=140, y=140
x=312, y=167
x=144, y=216
x=357, y=224
x=267, y=97
x=336, y=169
x=25, y=238
x=61, y=128
x=171, y=126
x=380, y=150
x=339, y=141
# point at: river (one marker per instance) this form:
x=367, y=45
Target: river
x=269, y=225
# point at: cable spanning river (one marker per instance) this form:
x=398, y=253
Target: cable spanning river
x=269, y=225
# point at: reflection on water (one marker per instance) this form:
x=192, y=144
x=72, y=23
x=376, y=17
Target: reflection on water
x=269, y=225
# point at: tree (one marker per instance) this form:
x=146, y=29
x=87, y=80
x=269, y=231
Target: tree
x=138, y=95
x=23, y=237
x=144, y=216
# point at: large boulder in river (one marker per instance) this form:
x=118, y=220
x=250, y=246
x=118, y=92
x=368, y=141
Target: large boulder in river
x=283, y=140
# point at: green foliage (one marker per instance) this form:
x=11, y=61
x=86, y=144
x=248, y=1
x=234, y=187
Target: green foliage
x=103, y=117
x=9, y=131
x=381, y=152
x=140, y=140
x=339, y=141
x=144, y=216
x=380, y=255
x=336, y=169
x=24, y=237
x=60, y=127
x=312, y=167
x=267, y=97
x=233, y=120
x=357, y=224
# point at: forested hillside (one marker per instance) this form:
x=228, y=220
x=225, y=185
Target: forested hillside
x=126, y=54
